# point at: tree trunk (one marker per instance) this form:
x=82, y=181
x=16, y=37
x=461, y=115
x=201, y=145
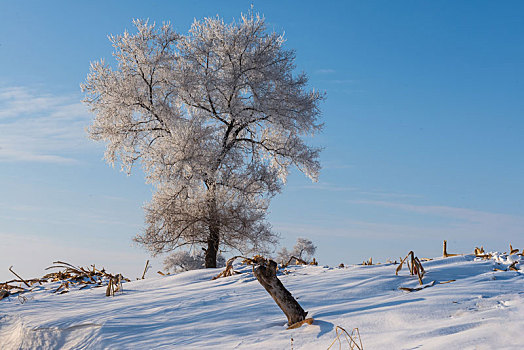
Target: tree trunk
x=267, y=276
x=213, y=239
x=212, y=246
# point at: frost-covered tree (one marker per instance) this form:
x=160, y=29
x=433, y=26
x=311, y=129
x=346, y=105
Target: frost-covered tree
x=216, y=117
x=304, y=249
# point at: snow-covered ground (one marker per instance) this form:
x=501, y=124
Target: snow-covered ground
x=482, y=309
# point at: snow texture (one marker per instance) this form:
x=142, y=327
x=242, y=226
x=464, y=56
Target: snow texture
x=482, y=309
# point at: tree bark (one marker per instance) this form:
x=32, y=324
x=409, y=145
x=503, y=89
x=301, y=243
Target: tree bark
x=213, y=240
x=266, y=274
x=212, y=247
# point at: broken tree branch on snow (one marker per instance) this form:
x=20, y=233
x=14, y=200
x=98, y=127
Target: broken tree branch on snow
x=265, y=271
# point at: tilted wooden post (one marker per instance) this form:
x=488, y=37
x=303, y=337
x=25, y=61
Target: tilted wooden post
x=266, y=274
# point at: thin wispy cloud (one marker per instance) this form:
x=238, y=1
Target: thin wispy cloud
x=325, y=71
x=342, y=81
x=332, y=187
x=40, y=127
x=356, y=229
x=439, y=210
x=466, y=227
x=465, y=222
x=326, y=186
x=385, y=194
x=335, y=165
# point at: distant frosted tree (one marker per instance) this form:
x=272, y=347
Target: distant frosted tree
x=304, y=249
x=216, y=117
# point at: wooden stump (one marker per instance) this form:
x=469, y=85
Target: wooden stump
x=266, y=274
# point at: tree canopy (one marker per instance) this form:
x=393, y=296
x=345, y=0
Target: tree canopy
x=216, y=117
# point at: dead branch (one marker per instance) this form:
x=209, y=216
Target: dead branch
x=414, y=266
x=447, y=282
x=445, y=253
x=114, y=285
x=69, y=276
x=431, y=284
x=298, y=261
x=407, y=289
x=480, y=253
x=145, y=269
x=513, y=266
x=229, y=271
x=14, y=273
x=512, y=250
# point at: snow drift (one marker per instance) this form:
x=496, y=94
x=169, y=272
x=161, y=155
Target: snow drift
x=481, y=309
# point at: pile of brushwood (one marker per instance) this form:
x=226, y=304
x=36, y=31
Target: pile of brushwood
x=67, y=278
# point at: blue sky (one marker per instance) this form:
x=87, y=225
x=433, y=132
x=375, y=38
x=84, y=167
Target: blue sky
x=423, y=129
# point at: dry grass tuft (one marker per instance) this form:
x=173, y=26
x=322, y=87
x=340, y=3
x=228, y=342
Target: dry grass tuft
x=354, y=341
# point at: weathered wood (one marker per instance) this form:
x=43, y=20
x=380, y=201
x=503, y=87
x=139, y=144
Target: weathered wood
x=14, y=273
x=415, y=268
x=145, y=269
x=229, y=271
x=266, y=274
x=298, y=261
x=301, y=323
x=445, y=253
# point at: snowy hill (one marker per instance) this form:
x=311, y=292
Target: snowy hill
x=481, y=309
